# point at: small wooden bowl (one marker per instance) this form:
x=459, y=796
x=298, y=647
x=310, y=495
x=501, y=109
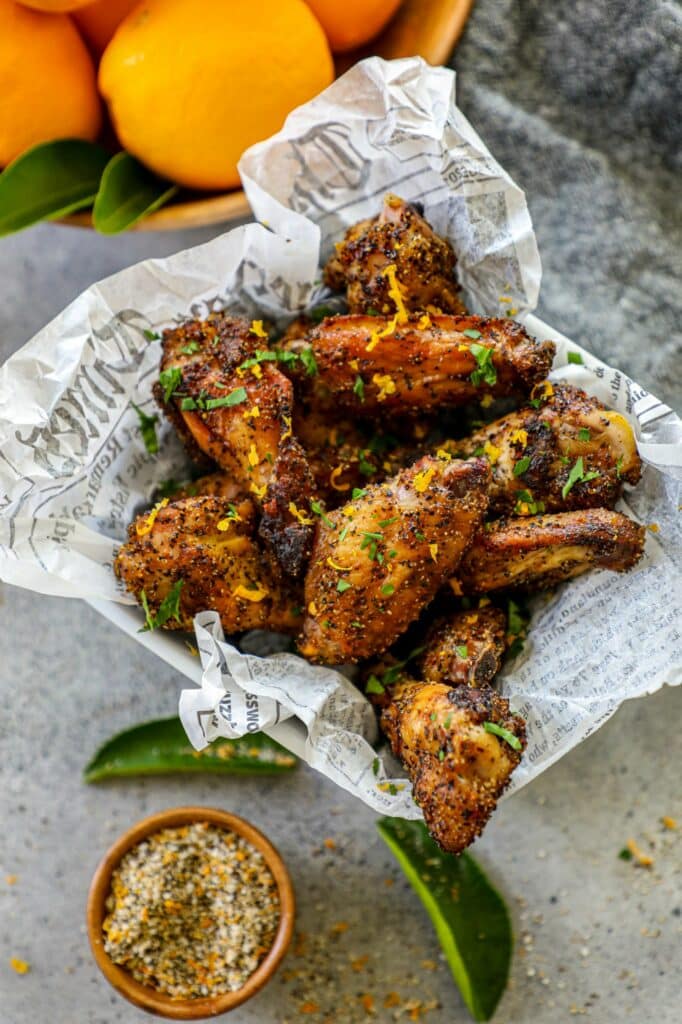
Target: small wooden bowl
x=157, y=1002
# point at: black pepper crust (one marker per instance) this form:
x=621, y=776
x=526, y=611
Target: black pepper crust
x=464, y=647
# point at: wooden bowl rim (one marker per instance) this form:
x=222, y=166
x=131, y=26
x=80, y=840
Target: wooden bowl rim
x=148, y=998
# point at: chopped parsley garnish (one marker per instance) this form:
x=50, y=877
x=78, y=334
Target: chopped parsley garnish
x=577, y=475
x=359, y=388
x=441, y=755
x=342, y=586
x=392, y=553
x=365, y=467
x=462, y=650
x=504, y=734
x=393, y=789
x=148, y=430
x=583, y=434
x=619, y=467
x=235, y=397
x=535, y=402
x=485, y=371
x=471, y=333
x=521, y=466
x=167, y=488
x=170, y=380
x=371, y=311
x=151, y=335
x=261, y=356
x=356, y=625
x=168, y=609
x=316, y=507
x=625, y=854
x=374, y=685
x=575, y=357
x=358, y=492
x=308, y=359
x=478, y=452
x=388, y=589
x=419, y=535
x=375, y=766
x=318, y=314
x=190, y=348
x=387, y=522
x=342, y=535
x=526, y=498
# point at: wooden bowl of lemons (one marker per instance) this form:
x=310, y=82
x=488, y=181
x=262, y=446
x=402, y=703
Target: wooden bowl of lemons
x=183, y=114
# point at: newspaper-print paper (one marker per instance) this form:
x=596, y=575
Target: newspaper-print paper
x=74, y=470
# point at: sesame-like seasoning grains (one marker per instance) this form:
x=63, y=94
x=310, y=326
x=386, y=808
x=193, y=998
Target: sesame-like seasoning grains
x=192, y=911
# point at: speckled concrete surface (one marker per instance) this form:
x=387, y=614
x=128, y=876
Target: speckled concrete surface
x=596, y=936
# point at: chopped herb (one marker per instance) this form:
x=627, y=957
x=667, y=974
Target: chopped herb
x=308, y=359
x=619, y=467
x=388, y=589
x=359, y=388
x=148, y=430
x=387, y=522
x=447, y=721
x=371, y=311
x=356, y=625
x=419, y=535
x=297, y=610
x=316, y=507
x=521, y=466
x=342, y=535
x=441, y=755
x=462, y=650
x=625, y=854
x=526, y=498
x=191, y=348
x=375, y=766
x=504, y=734
x=261, y=356
x=358, y=492
x=151, y=335
x=342, y=586
x=235, y=397
x=320, y=313
x=284, y=356
x=168, y=487
x=535, y=402
x=583, y=434
x=365, y=467
x=392, y=553
x=577, y=475
x=515, y=619
x=433, y=716
x=168, y=609
x=374, y=685
x=575, y=357
x=471, y=333
x=485, y=371
x=188, y=404
x=170, y=380
x=478, y=452
x=393, y=789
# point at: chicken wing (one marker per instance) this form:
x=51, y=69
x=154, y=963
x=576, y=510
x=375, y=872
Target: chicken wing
x=237, y=407
x=464, y=647
x=570, y=452
x=459, y=745
x=542, y=551
x=215, y=485
x=207, y=548
x=397, y=244
x=379, y=559
x=376, y=367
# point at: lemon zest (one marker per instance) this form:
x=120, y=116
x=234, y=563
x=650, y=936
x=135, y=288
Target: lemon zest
x=339, y=568
x=433, y=551
x=395, y=293
x=423, y=479
x=224, y=525
x=20, y=966
x=348, y=511
x=377, y=335
x=253, y=456
x=354, y=364
x=424, y=322
x=251, y=414
x=333, y=477
x=519, y=437
x=302, y=518
x=256, y=594
x=257, y=329
x=312, y=608
x=258, y=491
x=256, y=371
x=287, y=424
x=146, y=526
x=491, y=452
x=487, y=401
x=442, y=454
x=386, y=385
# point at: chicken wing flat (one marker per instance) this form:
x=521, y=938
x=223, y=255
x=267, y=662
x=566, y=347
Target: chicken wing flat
x=465, y=647
x=449, y=741
x=206, y=547
x=375, y=367
x=542, y=551
x=379, y=559
x=238, y=409
x=570, y=452
x=398, y=243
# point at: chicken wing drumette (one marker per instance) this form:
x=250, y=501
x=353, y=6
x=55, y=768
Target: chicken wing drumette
x=569, y=452
x=237, y=409
x=375, y=367
x=207, y=549
x=542, y=551
x=397, y=243
x=459, y=745
x=464, y=647
x=379, y=559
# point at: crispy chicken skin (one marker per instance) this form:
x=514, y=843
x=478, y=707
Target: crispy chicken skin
x=422, y=364
x=398, y=237
x=464, y=647
x=252, y=439
x=568, y=425
x=542, y=551
x=458, y=769
x=215, y=485
x=210, y=544
x=378, y=560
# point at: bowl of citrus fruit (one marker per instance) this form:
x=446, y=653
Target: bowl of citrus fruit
x=123, y=114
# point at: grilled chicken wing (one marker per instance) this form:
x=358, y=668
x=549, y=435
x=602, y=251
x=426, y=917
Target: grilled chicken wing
x=238, y=412
x=464, y=647
x=398, y=244
x=210, y=545
x=458, y=768
x=376, y=367
x=542, y=551
x=379, y=559
x=571, y=452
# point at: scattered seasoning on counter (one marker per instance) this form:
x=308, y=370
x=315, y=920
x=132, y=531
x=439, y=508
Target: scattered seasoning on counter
x=192, y=911
x=20, y=966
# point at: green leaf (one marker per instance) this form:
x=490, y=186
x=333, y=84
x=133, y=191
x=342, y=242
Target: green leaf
x=148, y=429
x=127, y=192
x=49, y=180
x=161, y=747
x=575, y=357
x=469, y=915
x=168, y=609
x=504, y=734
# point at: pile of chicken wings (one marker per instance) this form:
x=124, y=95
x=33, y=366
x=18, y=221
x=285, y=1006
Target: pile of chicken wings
x=358, y=494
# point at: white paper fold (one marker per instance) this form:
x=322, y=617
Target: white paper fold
x=74, y=470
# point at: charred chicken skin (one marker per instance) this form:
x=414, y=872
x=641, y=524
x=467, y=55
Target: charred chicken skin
x=397, y=242
x=570, y=452
x=238, y=411
x=378, y=560
x=209, y=547
x=543, y=551
x=376, y=367
x=458, y=768
x=464, y=648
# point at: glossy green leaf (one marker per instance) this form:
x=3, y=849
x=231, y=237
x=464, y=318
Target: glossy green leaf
x=49, y=180
x=162, y=748
x=469, y=915
x=127, y=192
